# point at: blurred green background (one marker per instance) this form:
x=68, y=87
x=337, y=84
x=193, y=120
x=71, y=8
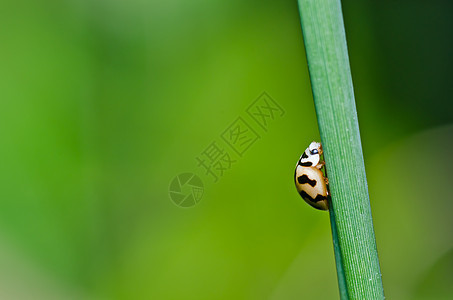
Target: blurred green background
x=103, y=103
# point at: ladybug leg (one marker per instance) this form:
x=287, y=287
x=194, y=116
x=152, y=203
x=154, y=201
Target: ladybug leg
x=320, y=164
x=326, y=179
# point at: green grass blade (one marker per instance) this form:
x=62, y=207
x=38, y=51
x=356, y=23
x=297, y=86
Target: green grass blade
x=358, y=268
x=338, y=260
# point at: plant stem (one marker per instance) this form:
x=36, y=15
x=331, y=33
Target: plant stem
x=358, y=270
x=338, y=260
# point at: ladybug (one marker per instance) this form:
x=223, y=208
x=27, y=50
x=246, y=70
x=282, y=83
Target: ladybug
x=311, y=183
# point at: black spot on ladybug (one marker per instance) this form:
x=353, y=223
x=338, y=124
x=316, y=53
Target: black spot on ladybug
x=320, y=198
x=317, y=199
x=304, y=155
x=304, y=195
x=304, y=179
x=307, y=164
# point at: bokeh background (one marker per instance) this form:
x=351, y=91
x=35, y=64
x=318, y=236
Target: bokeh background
x=103, y=103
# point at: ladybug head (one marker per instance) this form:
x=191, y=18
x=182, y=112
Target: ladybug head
x=314, y=149
x=311, y=156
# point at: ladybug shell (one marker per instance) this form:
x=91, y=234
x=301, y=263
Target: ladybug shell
x=312, y=187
